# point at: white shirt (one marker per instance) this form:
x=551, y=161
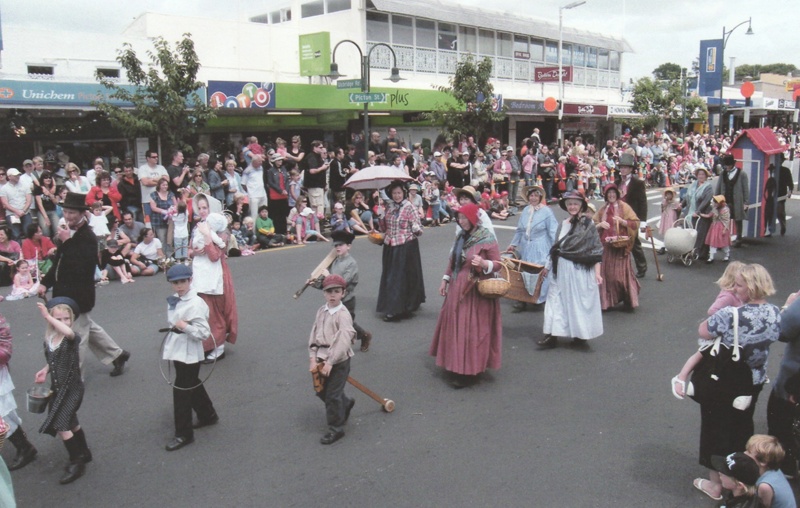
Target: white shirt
x=253, y=179
x=16, y=196
x=27, y=179
x=99, y=224
x=149, y=251
x=187, y=347
x=181, y=228
x=145, y=171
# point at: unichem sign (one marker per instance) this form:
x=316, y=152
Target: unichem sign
x=37, y=93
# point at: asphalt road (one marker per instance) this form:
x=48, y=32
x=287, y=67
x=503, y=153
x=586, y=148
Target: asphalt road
x=563, y=427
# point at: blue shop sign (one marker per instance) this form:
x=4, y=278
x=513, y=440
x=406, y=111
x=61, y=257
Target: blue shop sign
x=52, y=94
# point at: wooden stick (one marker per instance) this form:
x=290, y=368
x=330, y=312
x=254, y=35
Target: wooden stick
x=387, y=404
x=324, y=264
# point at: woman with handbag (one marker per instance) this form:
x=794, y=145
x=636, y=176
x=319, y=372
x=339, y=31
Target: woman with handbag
x=618, y=226
x=739, y=335
x=469, y=333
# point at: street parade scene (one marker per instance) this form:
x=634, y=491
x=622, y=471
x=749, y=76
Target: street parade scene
x=501, y=280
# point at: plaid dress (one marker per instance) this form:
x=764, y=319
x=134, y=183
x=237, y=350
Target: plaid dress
x=67, y=386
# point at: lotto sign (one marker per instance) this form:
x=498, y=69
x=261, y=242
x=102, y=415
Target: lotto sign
x=241, y=94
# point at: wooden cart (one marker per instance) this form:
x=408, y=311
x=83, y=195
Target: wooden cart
x=517, y=290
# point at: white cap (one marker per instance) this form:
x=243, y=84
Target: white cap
x=306, y=212
x=13, y=172
x=437, y=154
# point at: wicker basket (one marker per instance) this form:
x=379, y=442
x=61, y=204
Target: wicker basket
x=517, y=290
x=375, y=237
x=620, y=242
x=496, y=287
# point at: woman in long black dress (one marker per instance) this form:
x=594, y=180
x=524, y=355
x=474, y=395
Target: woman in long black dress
x=402, y=289
x=63, y=365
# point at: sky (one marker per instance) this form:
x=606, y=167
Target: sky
x=659, y=32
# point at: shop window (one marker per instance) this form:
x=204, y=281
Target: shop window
x=314, y=8
x=338, y=5
x=41, y=71
x=521, y=49
x=505, y=46
x=567, y=58
x=537, y=50
x=614, y=60
x=486, y=42
x=377, y=27
x=402, y=30
x=467, y=39
x=426, y=33
x=602, y=59
x=592, y=60
x=108, y=73
x=275, y=17
x=551, y=53
x=579, y=56
x=447, y=38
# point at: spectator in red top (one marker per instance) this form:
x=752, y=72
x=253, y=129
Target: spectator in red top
x=104, y=192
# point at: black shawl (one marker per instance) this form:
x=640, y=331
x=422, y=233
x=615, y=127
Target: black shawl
x=581, y=244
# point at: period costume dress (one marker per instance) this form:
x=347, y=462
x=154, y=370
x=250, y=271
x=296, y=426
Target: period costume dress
x=698, y=200
x=469, y=333
x=535, y=235
x=402, y=289
x=619, y=280
x=66, y=383
x=573, y=299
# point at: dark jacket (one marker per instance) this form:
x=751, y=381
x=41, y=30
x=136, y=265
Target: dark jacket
x=131, y=193
x=636, y=197
x=72, y=273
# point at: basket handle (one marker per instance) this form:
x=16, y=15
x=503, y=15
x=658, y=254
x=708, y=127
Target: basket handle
x=508, y=275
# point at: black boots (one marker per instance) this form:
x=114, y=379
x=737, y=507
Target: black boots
x=119, y=364
x=26, y=452
x=79, y=455
x=548, y=342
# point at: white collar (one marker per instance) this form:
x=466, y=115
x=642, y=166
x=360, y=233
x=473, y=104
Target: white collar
x=333, y=310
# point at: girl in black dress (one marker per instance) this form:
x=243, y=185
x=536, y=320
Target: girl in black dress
x=63, y=365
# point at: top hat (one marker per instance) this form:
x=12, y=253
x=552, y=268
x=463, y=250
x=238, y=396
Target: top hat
x=75, y=201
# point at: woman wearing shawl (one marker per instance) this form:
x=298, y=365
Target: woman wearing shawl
x=573, y=298
x=697, y=201
x=617, y=218
x=469, y=334
x=536, y=232
x=212, y=278
x=402, y=288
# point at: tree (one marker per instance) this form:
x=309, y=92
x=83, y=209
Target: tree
x=471, y=112
x=165, y=101
x=655, y=100
x=667, y=71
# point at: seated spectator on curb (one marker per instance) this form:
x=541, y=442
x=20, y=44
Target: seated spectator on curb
x=144, y=260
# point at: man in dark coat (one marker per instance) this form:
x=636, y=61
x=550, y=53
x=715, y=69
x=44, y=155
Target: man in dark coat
x=734, y=186
x=633, y=192
x=72, y=275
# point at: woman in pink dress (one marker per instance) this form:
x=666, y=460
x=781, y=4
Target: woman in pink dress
x=469, y=333
x=719, y=234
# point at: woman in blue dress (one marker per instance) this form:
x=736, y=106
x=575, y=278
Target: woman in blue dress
x=535, y=235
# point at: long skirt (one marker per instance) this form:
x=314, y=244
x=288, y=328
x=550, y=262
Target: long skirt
x=223, y=316
x=402, y=288
x=619, y=281
x=573, y=303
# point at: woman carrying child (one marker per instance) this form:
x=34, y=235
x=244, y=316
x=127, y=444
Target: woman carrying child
x=61, y=352
x=726, y=425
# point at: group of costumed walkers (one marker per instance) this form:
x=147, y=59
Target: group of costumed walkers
x=201, y=314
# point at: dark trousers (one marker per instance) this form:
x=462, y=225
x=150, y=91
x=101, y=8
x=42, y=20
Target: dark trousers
x=186, y=376
x=780, y=417
x=724, y=429
x=278, y=212
x=350, y=305
x=333, y=395
x=638, y=256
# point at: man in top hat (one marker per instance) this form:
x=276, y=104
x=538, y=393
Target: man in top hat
x=345, y=266
x=734, y=186
x=632, y=191
x=785, y=188
x=72, y=275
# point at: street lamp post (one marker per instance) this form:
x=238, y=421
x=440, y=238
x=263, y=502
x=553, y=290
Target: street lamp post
x=365, y=84
x=571, y=5
x=725, y=36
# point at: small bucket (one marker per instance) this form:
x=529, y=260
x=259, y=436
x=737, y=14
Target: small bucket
x=38, y=396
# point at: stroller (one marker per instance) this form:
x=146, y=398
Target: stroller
x=679, y=242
